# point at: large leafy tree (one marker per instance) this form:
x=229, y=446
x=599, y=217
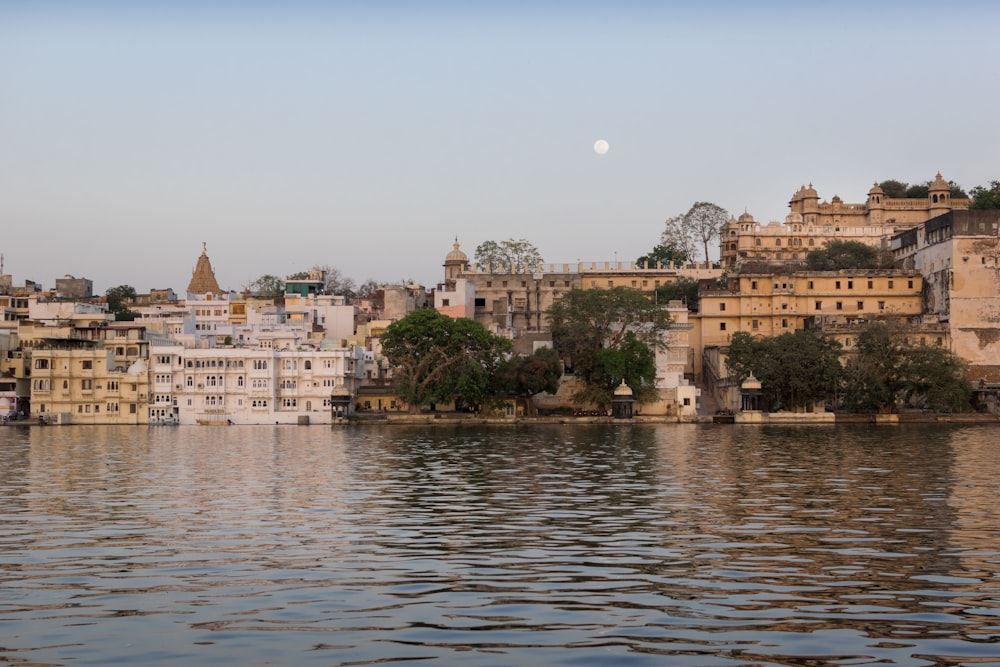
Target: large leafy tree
x=439, y=359
x=893, y=188
x=836, y=255
x=683, y=289
x=605, y=336
x=118, y=299
x=873, y=374
x=886, y=372
x=507, y=254
x=268, y=287
x=984, y=198
x=524, y=376
x=796, y=370
x=662, y=255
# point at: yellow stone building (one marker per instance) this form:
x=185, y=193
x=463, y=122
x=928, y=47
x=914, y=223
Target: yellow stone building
x=811, y=223
x=91, y=376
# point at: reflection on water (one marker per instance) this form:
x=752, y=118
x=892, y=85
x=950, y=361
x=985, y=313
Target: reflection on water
x=555, y=545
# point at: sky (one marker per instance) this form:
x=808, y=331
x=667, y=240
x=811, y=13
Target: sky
x=367, y=136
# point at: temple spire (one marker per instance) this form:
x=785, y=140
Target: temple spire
x=203, y=277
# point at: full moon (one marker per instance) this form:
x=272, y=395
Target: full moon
x=601, y=147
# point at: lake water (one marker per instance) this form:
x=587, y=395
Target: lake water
x=540, y=545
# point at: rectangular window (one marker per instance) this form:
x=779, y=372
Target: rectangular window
x=810, y=285
x=837, y=284
x=722, y=307
x=890, y=284
x=784, y=324
x=722, y=326
x=850, y=284
x=753, y=284
x=87, y=365
x=445, y=302
x=840, y=305
x=871, y=283
x=87, y=385
x=881, y=305
x=909, y=283
x=754, y=324
x=861, y=305
x=819, y=305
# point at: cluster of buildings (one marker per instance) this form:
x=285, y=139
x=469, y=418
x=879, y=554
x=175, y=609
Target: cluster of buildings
x=218, y=357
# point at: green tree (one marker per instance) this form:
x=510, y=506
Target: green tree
x=984, y=198
x=886, y=372
x=836, y=255
x=509, y=253
x=662, y=255
x=796, y=370
x=918, y=191
x=937, y=379
x=118, y=299
x=894, y=189
x=585, y=324
x=268, y=287
x=683, y=289
x=524, y=376
x=439, y=359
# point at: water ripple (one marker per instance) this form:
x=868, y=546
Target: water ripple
x=548, y=545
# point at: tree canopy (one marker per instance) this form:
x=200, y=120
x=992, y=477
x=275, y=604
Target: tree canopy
x=984, y=198
x=886, y=371
x=118, y=299
x=606, y=335
x=524, y=376
x=796, y=370
x=701, y=224
x=268, y=287
x=509, y=253
x=439, y=359
x=836, y=255
x=662, y=255
x=683, y=289
x=900, y=190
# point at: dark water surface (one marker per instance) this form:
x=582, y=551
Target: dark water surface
x=543, y=545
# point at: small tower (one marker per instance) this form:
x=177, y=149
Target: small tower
x=454, y=264
x=876, y=205
x=939, y=196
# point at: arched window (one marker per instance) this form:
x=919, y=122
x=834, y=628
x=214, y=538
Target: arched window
x=308, y=365
x=756, y=242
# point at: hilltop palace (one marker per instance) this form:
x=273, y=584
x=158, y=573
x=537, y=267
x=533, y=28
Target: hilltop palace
x=308, y=357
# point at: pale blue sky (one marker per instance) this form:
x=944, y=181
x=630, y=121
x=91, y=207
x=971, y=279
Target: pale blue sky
x=367, y=135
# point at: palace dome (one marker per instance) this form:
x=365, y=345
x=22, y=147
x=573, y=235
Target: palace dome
x=939, y=184
x=456, y=255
